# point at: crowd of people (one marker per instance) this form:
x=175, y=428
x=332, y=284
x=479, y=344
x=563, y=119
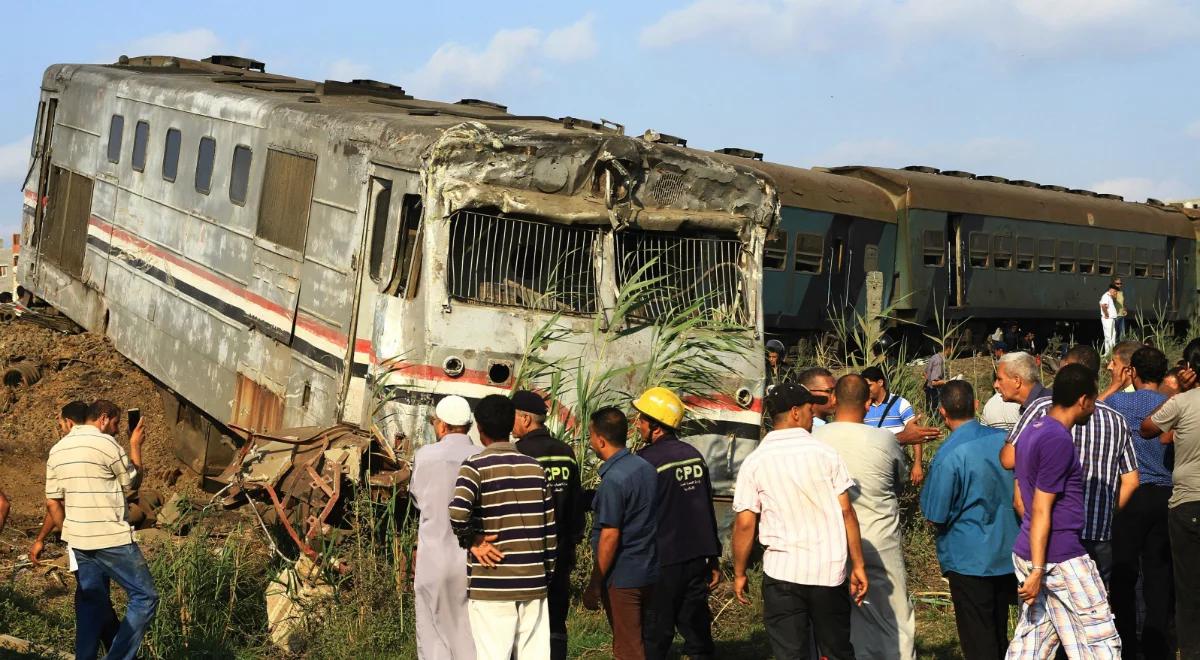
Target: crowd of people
x=1078, y=505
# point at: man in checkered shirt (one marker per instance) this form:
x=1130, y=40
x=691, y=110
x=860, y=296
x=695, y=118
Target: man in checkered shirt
x=1106, y=454
x=1063, y=598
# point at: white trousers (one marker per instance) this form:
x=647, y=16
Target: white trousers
x=1110, y=333
x=505, y=629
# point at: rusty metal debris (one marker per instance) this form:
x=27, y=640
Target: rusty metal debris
x=298, y=477
x=17, y=313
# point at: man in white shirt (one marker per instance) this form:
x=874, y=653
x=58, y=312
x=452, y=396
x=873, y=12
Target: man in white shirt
x=1108, y=316
x=799, y=489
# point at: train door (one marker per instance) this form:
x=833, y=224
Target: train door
x=956, y=289
x=839, y=258
x=391, y=242
x=45, y=141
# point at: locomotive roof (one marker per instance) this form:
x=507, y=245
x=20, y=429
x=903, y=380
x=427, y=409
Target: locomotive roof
x=822, y=191
x=961, y=193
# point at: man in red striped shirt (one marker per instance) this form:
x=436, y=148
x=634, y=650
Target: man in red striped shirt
x=798, y=489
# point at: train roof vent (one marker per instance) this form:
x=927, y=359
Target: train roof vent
x=741, y=153
x=480, y=103
x=1024, y=183
x=1111, y=196
x=236, y=62
x=1047, y=186
x=923, y=169
x=958, y=173
x=1081, y=191
x=602, y=125
x=1154, y=202
x=652, y=135
x=992, y=179
x=363, y=87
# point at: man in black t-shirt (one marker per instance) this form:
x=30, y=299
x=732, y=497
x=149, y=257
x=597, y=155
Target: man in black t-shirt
x=562, y=476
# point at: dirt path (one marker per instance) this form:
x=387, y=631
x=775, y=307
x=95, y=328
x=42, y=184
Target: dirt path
x=83, y=367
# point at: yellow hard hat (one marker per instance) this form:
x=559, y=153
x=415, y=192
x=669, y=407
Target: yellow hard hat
x=661, y=405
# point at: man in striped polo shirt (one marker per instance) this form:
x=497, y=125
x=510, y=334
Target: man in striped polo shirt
x=502, y=511
x=1106, y=454
x=87, y=476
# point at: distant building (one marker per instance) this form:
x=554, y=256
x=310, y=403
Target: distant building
x=9, y=254
x=1189, y=203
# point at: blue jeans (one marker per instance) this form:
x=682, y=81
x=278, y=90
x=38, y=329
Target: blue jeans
x=93, y=608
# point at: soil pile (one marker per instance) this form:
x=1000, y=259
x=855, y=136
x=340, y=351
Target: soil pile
x=80, y=366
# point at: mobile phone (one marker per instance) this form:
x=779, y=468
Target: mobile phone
x=135, y=417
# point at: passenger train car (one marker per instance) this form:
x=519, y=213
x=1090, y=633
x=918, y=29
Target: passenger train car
x=835, y=242
x=993, y=249
x=279, y=252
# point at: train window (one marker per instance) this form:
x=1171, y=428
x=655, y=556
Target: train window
x=286, y=197
x=239, y=175
x=1066, y=256
x=1025, y=253
x=1124, y=261
x=934, y=248
x=411, y=209
x=1045, y=259
x=171, y=154
x=381, y=204
x=871, y=258
x=116, y=129
x=206, y=153
x=1141, y=262
x=775, y=251
x=1158, y=264
x=1087, y=258
x=141, y=135
x=1104, y=265
x=810, y=253
x=1002, y=251
x=980, y=249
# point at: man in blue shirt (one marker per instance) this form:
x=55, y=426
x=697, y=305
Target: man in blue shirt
x=624, y=527
x=1140, y=542
x=968, y=496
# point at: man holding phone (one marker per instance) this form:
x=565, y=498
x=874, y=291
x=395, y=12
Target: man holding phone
x=87, y=477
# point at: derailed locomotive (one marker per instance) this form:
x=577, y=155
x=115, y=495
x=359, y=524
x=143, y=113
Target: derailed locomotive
x=278, y=252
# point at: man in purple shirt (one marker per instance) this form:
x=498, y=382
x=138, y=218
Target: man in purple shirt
x=1064, y=600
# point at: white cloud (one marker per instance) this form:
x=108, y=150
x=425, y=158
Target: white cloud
x=572, y=43
x=195, y=44
x=14, y=160
x=347, y=69
x=1015, y=28
x=512, y=55
x=1137, y=189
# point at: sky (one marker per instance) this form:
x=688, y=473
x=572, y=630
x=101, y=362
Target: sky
x=1096, y=94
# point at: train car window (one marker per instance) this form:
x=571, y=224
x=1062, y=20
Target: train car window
x=206, y=153
x=1141, y=262
x=1124, y=261
x=1066, y=256
x=871, y=258
x=933, y=248
x=1025, y=253
x=1002, y=252
x=1087, y=258
x=408, y=270
x=141, y=135
x=287, y=191
x=239, y=175
x=775, y=251
x=980, y=249
x=810, y=253
x=171, y=154
x=1158, y=264
x=116, y=129
x=381, y=205
x=1045, y=259
x=1104, y=265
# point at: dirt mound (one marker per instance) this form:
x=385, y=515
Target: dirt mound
x=84, y=367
